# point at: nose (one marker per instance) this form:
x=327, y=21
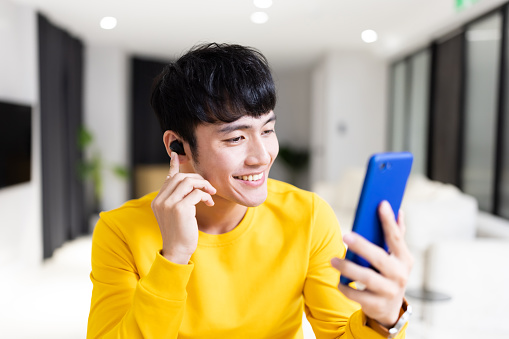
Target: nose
x=258, y=153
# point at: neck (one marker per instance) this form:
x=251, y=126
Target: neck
x=221, y=218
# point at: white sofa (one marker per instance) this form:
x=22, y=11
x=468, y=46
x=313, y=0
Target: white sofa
x=461, y=255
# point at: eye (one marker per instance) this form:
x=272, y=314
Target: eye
x=235, y=140
x=269, y=131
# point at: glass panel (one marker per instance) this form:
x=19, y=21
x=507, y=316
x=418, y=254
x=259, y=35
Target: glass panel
x=418, y=110
x=397, y=137
x=483, y=52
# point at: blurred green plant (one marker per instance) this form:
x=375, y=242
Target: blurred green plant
x=92, y=165
x=296, y=160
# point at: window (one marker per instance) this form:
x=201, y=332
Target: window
x=399, y=94
x=417, y=125
x=483, y=44
x=410, y=103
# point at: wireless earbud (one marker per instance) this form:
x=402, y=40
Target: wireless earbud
x=177, y=147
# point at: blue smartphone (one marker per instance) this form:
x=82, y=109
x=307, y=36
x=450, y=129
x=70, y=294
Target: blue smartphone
x=386, y=178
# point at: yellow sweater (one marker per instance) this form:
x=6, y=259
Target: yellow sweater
x=252, y=282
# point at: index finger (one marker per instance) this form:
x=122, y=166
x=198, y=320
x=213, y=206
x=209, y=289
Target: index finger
x=174, y=164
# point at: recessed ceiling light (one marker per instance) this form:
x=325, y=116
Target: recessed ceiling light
x=108, y=22
x=259, y=17
x=262, y=3
x=369, y=36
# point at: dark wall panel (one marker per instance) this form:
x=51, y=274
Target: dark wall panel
x=147, y=145
x=446, y=110
x=60, y=76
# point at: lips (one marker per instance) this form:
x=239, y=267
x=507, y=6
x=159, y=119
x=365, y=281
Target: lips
x=250, y=177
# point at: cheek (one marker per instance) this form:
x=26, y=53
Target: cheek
x=274, y=148
x=223, y=164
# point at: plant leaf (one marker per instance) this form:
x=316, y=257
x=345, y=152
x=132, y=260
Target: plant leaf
x=85, y=137
x=121, y=171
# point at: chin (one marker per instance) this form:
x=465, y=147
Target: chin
x=249, y=197
x=255, y=202
x=252, y=200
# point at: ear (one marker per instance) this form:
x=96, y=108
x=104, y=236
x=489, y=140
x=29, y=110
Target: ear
x=168, y=138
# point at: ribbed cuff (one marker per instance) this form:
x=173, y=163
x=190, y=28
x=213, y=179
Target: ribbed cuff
x=358, y=328
x=167, y=279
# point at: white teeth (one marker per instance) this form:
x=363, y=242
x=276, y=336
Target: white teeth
x=250, y=177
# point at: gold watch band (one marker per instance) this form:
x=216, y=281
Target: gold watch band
x=384, y=331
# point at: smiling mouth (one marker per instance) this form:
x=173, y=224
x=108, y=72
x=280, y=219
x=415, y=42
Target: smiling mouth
x=254, y=177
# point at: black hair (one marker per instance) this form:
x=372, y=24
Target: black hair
x=212, y=83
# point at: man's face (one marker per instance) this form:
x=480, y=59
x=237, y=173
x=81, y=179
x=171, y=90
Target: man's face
x=236, y=157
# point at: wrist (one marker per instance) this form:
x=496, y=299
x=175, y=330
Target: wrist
x=391, y=331
x=176, y=257
x=389, y=322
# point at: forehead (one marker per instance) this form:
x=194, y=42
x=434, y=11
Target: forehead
x=245, y=123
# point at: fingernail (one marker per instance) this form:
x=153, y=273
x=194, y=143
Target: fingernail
x=349, y=238
x=385, y=206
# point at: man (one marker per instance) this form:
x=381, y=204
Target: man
x=221, y=251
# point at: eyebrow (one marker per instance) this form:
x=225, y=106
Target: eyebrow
x=232, y=127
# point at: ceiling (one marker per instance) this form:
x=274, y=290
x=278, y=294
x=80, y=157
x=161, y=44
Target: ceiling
x=297, y=33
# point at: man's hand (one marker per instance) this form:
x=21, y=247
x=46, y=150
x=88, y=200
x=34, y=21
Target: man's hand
x=382, y=298
x=175, y=210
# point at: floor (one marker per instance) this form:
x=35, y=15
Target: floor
x=52, y=301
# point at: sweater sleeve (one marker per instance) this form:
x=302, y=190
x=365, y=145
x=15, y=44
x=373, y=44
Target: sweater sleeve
x=331, y=313
x=125, y=306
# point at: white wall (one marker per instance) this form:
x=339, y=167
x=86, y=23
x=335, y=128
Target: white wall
x=106, y=115
x=348, y=120
x=292, y=111
x=20, y=205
